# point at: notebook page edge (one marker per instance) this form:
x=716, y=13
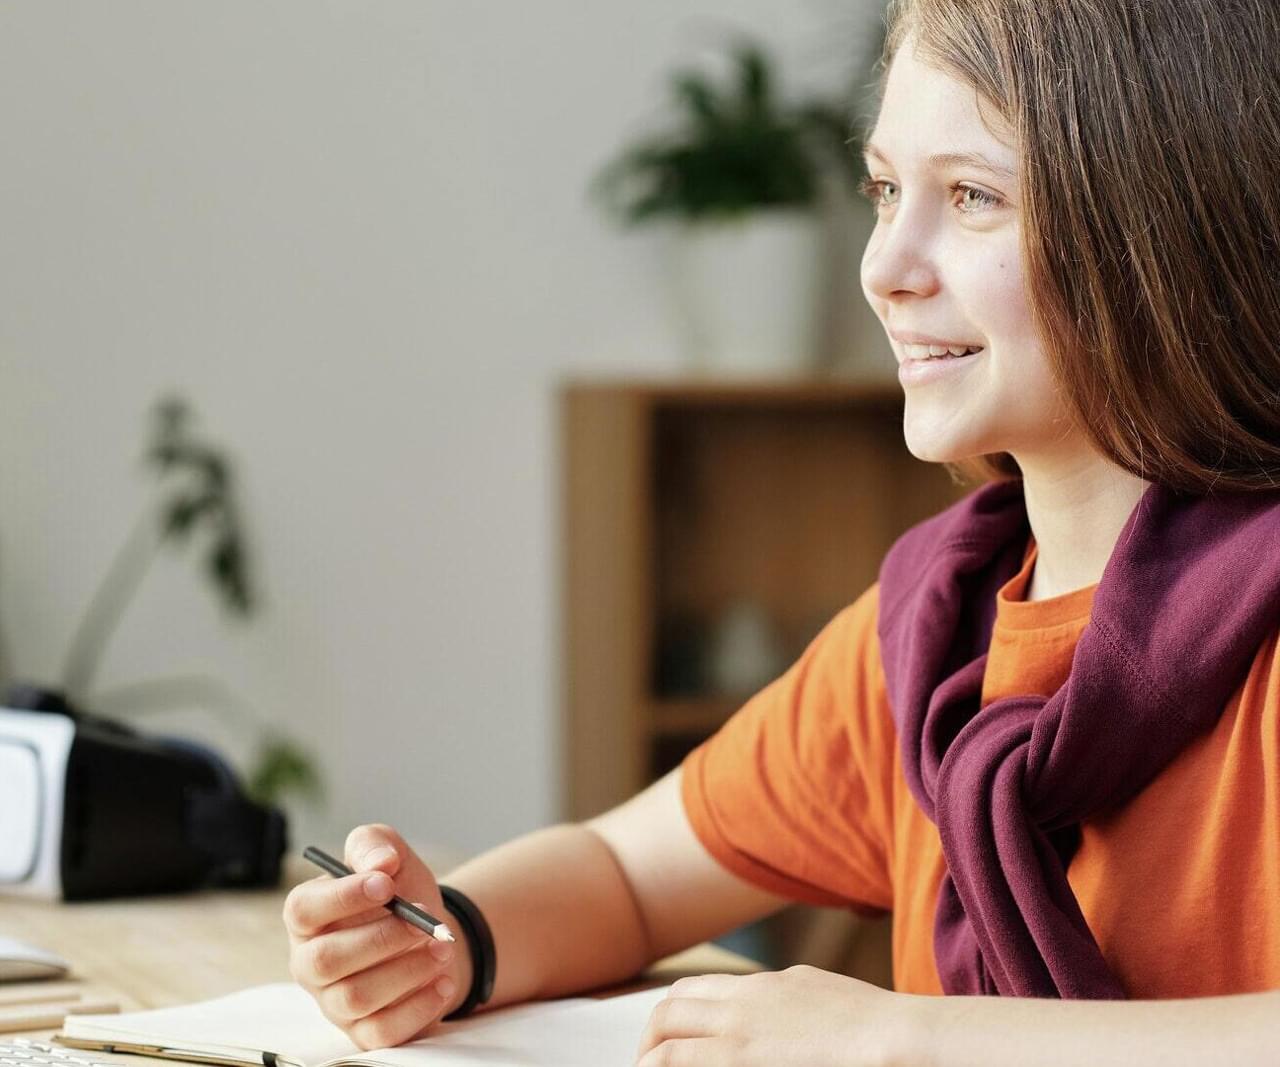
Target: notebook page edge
x=280, y=1019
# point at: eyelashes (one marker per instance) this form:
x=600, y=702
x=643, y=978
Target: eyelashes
x=870, y=188
x=873, y=190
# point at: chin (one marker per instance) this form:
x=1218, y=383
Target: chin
x=939, y=455
x=941, y=448
x=936, y=433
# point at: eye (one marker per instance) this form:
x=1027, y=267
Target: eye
x=874, y=190
x=981, y=196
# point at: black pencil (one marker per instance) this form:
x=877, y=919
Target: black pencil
x=414, y=916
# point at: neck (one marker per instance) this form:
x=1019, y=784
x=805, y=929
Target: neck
x=1077, y=509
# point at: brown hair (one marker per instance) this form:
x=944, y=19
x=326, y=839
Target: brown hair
x=1149, y=135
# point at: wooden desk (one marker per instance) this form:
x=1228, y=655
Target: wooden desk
x=157, y=951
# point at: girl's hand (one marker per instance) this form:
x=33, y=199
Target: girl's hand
x=800, y=1016
x=375, y=976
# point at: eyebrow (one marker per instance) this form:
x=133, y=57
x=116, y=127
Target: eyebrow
x=942, y=160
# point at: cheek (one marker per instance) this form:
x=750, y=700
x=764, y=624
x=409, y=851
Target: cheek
x=877, y=304
x=1016, y=326
x=1009, y=293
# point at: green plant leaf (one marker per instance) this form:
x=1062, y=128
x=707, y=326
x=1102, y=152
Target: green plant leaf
x=281, y=768
x=695, y=93
x=754, y=79
x=735, y=151
x=182, y=513
x=214, y=469
x=164, y=455
x=735, y=147
x=226, y=566
x=209, y=503
x=172, y=415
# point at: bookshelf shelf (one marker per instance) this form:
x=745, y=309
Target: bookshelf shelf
x=682, y=499
x=700, y=716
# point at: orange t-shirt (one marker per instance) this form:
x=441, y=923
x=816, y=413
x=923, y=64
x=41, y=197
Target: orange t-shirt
x=802, y=792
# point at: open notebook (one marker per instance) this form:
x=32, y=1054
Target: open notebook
x=281, y=1025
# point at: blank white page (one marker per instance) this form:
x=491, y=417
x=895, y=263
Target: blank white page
x=591, y=1033
x=283, y=1019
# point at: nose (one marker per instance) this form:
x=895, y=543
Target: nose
x=898, y=260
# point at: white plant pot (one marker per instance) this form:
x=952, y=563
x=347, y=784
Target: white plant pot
x=747, y=293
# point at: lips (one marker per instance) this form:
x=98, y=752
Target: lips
x=921, y=372
x=939, y=352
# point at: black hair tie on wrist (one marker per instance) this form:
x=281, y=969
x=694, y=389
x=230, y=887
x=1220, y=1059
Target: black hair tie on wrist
x=484, y=958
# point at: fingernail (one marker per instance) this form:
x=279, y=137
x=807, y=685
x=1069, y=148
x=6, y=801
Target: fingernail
x=444, y=986
x=379, y=856
x=379, y=887
x=441, y=950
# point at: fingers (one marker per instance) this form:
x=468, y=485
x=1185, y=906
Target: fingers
x=403, y=1020
x=325, y=959
x=682, y=1017
x=374, y=975
x=689, y=1052
x=353, y=999
x=315, y=905
x=706, y=986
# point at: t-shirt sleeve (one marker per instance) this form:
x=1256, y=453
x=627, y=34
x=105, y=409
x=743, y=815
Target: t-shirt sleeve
x=794, y=792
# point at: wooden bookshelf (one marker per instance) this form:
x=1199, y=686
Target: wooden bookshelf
x=682, y=498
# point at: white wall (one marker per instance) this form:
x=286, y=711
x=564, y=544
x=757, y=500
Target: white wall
x=355, y=235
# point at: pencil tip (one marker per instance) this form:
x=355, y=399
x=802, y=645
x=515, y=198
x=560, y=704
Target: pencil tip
x=443, y=933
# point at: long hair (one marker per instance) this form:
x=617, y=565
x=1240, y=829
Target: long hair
x=1149, y=140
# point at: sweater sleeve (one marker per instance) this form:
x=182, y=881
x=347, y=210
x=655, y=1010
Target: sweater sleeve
x=794, y=792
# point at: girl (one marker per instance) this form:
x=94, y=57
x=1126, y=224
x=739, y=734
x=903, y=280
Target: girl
x=1048, y=739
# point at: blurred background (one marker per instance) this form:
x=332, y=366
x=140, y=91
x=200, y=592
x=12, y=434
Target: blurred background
x=525, y=499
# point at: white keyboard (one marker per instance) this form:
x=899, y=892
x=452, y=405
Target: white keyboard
x=19, y=1052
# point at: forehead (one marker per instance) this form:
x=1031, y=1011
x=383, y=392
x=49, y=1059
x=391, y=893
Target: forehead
x=925, y=110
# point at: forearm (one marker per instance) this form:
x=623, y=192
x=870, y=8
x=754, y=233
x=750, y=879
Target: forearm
x=562, y=915
x=1242, y=1030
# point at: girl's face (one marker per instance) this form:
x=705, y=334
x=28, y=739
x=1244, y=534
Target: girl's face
x=944, y=262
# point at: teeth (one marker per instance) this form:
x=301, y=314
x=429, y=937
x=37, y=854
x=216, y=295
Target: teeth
x=938, y=351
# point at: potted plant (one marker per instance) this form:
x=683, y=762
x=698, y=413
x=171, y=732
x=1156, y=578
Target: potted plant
x=195, y=504
x=742, y=177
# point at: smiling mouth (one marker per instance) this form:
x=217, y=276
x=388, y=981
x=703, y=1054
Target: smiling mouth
x=927, y=357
